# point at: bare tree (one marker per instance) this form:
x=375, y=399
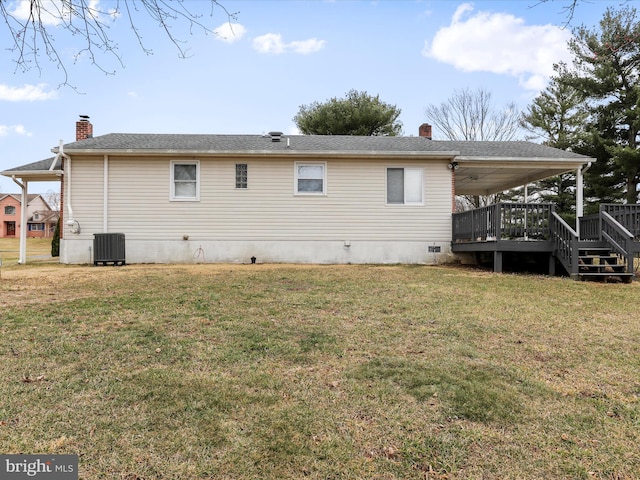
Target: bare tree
x=53, y=200
x=471, y=116
x=568, y=8
x=32, y=23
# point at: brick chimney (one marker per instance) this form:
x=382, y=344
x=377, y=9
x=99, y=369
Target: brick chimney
x=425, y=131
x=84, y=129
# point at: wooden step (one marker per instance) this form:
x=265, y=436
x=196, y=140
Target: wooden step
x=594, y=260
x=604, y=268
x=625, y=277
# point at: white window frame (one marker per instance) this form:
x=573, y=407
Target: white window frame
x=310, y=164
x=405, y=202
x=172, y=183
x=10, y=210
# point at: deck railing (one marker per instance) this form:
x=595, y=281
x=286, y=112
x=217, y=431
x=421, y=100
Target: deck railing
x=618, y=237
x=617, y=226
x=565, y=241
x=475, y=225
x=590, y=227
x=627, y=215
x=624, y=214
x=503, y=221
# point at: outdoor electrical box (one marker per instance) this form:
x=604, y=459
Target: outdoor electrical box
x=109, y=248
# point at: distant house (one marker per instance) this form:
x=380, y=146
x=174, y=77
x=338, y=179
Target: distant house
x=278, y=198
x=41, y=219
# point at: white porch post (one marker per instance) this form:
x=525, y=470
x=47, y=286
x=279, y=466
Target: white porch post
x=579, y=198
x=24, y=185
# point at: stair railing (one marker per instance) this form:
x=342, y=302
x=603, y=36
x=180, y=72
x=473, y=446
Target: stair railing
x=618, y=237
x=627, y=215
x=565, y=242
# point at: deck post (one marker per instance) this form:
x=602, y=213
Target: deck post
x=497, y=261
x=552, y=265
x=497, y=225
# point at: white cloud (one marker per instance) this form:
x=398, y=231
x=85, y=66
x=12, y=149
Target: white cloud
x=48, y=15
x=50, y=12
x=307, y=46
x=500, y=43
x=26, y=93
x=269, y=43
x=273, y=43
x=230, y=32
x=13, y=129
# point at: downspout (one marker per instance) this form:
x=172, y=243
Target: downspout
x=23, y=220
x=67, y=198
x=105, y=194
x=67, y=174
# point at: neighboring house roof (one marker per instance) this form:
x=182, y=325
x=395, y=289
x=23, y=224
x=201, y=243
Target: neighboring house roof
x=18, y=197
x=483, y=167
x=44, y=216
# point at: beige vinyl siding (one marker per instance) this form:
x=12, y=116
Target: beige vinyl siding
x=86, y=195
x=354, y=207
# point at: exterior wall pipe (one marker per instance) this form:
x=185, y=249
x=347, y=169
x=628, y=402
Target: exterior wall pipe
x=67, y=197
x=57, y=157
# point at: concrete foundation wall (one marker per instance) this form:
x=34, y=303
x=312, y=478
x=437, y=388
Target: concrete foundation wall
x=79, y=251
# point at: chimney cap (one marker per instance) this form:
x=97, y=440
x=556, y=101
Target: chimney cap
x=84, y=118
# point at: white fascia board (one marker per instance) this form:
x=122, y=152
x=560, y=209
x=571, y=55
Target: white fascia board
x=524, y=162
x=267, y=153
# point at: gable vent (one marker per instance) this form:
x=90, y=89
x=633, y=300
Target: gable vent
x=275, y=136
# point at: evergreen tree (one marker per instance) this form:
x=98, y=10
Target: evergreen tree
x=356, y=114
x=55, y=241
x=606, y=71
x=557, y=117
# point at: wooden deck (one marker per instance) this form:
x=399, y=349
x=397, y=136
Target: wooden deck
x=606, y=246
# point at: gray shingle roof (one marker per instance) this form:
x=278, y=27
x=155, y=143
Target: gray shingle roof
x=39, y=166
x=263, y=144
x=313, y=143
x=253, y=143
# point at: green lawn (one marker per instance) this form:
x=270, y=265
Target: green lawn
x=38, y=250
x=322, y=372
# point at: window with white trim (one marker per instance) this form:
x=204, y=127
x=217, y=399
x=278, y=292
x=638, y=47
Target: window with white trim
x=185, y=180
x=405, y=186
x=311, y=178
x=36, y=227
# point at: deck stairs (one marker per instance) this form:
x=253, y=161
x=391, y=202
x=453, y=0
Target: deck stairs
x=600, y=263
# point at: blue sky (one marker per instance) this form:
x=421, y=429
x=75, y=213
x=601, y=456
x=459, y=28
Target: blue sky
x=253, y=76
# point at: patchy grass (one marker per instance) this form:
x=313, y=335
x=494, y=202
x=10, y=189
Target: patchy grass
x=259, y=371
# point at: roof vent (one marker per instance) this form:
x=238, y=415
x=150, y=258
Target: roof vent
x=275, y=136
